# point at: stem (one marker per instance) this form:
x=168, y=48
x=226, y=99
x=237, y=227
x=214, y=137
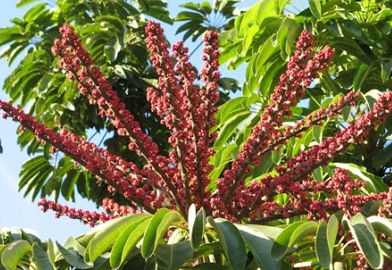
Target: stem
x=103, y=138
x=195, y=49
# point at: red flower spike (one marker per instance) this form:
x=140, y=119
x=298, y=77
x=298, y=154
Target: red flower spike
x=87, y=217
x=210, y=75
x=199, y=154
x=77, y=62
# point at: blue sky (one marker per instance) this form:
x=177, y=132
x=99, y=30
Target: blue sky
x=16, y=211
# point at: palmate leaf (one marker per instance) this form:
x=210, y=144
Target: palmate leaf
x=20, y=249
x=119, y=239
x=156, y=9
x=39, y=177
x=203, y=16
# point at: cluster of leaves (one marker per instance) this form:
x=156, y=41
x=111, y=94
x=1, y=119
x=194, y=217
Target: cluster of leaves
x=166, y=241
x=200, y=17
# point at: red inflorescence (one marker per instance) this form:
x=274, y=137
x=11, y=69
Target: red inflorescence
x=87, y=217
x=187, y=105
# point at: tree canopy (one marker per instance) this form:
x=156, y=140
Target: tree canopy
x=294, y=173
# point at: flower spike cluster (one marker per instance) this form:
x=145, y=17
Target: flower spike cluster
x=301, y=69
x=119, y=174
x=187, y=110
x=186, y=102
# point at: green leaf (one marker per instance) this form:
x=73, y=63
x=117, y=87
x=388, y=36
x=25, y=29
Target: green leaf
x=73, y=258
x=286, y=36
x=332, y=232
x=134, y=238
x=187, y=15
x=366, y=240
x=118, y=249
x=321, y=245
x=22, y=3
x=156, y=9
x=271, y=76
x=196, y=225
x=154, y=231
x=386, y=69
x=172, y=257
x=220, y=159
x=306, y=229
x=315, y=8
x=317, y=133
x=259, y=244
x=382, y=157
x=169, y=220
x=371, y=97
x=42, y=258
x=113, y=49
x=361, y=76
x=14, y=253
x=325, y=241
x=206, y=7
x=381, y=225
x=107, y=235
x=229, y=128
x=231, y=241
x=7, y=34
x=283, y=240
x=209, y=266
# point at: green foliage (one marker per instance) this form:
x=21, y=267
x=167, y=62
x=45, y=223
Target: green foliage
x=145, y=241
x=200, y=17
x=325, y=241
x=365, y=237
x=196, y=225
